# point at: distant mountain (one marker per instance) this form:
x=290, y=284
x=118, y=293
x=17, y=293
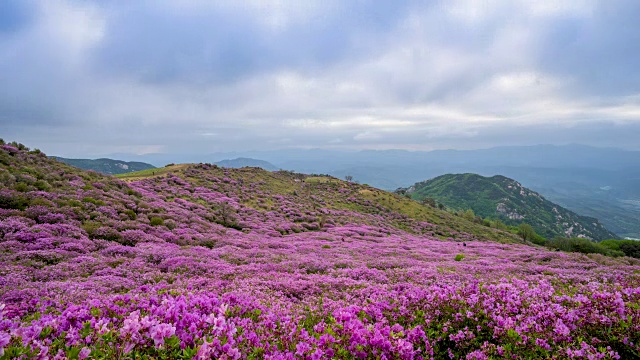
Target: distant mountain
x=106, y=166
x=247, y=162
x=503, y=198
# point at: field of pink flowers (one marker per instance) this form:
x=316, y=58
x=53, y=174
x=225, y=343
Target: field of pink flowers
x=210, y=263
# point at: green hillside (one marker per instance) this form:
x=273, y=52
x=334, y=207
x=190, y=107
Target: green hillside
x=106, y=166
x=499, y=197
x=339, y=195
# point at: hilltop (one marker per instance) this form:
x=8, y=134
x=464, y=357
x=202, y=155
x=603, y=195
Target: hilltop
x=596, y=182
x=499, y=197
x=106, y=166
x=198, y=261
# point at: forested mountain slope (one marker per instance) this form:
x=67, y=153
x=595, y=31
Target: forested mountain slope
x=107, y=166
x=502, y=198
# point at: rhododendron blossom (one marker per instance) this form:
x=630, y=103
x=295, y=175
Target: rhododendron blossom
x=205, y=262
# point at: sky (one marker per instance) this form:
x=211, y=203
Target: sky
x=92, y=78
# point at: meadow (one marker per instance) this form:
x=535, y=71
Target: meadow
x=200, y=262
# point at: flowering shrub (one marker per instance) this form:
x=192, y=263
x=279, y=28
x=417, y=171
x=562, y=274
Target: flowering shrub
x=85, y=272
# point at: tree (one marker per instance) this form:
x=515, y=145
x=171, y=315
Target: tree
x=526, y=232
x=429, y=201
x=349, y=178
x=631, y=248
x=227, y=213
x=498, y=224
x=469, y=215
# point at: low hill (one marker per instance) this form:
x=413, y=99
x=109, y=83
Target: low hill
x=499, y=197
x=199, y=261
x=106, y=166
x=247, y=162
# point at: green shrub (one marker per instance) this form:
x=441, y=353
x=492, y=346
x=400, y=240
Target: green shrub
x=629, y=248
x=612, y=244
x=459, y=257
x=498, y=224
x=93, y=201
x=90, y=227
x=584, y=246
x=131, y=214
x=42, y=185
x=156, y=221
x=72, y=202
x=41, y=201
x=469, y=215
x=13, y=201
x=22, y=187
x=133, y=192
x=170, y=224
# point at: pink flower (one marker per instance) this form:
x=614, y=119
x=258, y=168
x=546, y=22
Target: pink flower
x=317, y=355
x=161, y=331
x=302, y=348
x=84, y=353
x=4, y=341
x=561, y=328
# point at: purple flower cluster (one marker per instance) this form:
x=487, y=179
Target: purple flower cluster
x=236, y=264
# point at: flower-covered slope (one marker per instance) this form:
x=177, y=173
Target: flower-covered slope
x=203, y=262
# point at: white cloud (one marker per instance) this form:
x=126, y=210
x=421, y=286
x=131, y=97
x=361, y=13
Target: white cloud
x=446, y=71
x=367, y=135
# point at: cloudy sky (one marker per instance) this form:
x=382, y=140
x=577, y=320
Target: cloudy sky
x=90, y=78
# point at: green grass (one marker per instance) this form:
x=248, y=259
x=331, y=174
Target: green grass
x=304, y=188
x=421, y=212
x=143, y=174
x=321, y=180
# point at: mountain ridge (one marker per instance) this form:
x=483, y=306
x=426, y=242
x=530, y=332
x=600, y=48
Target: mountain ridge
x=106, y=165
x=503, y=198
x=241, y=162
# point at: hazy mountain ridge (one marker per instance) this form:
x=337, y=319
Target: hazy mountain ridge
x=105, y=165
x=506, y=199
x=247, y=162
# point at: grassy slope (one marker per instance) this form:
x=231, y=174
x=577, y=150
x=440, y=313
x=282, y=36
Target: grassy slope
x=337, y=194
x=149, y=173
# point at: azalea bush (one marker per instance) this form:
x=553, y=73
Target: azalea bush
x=247, y=264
